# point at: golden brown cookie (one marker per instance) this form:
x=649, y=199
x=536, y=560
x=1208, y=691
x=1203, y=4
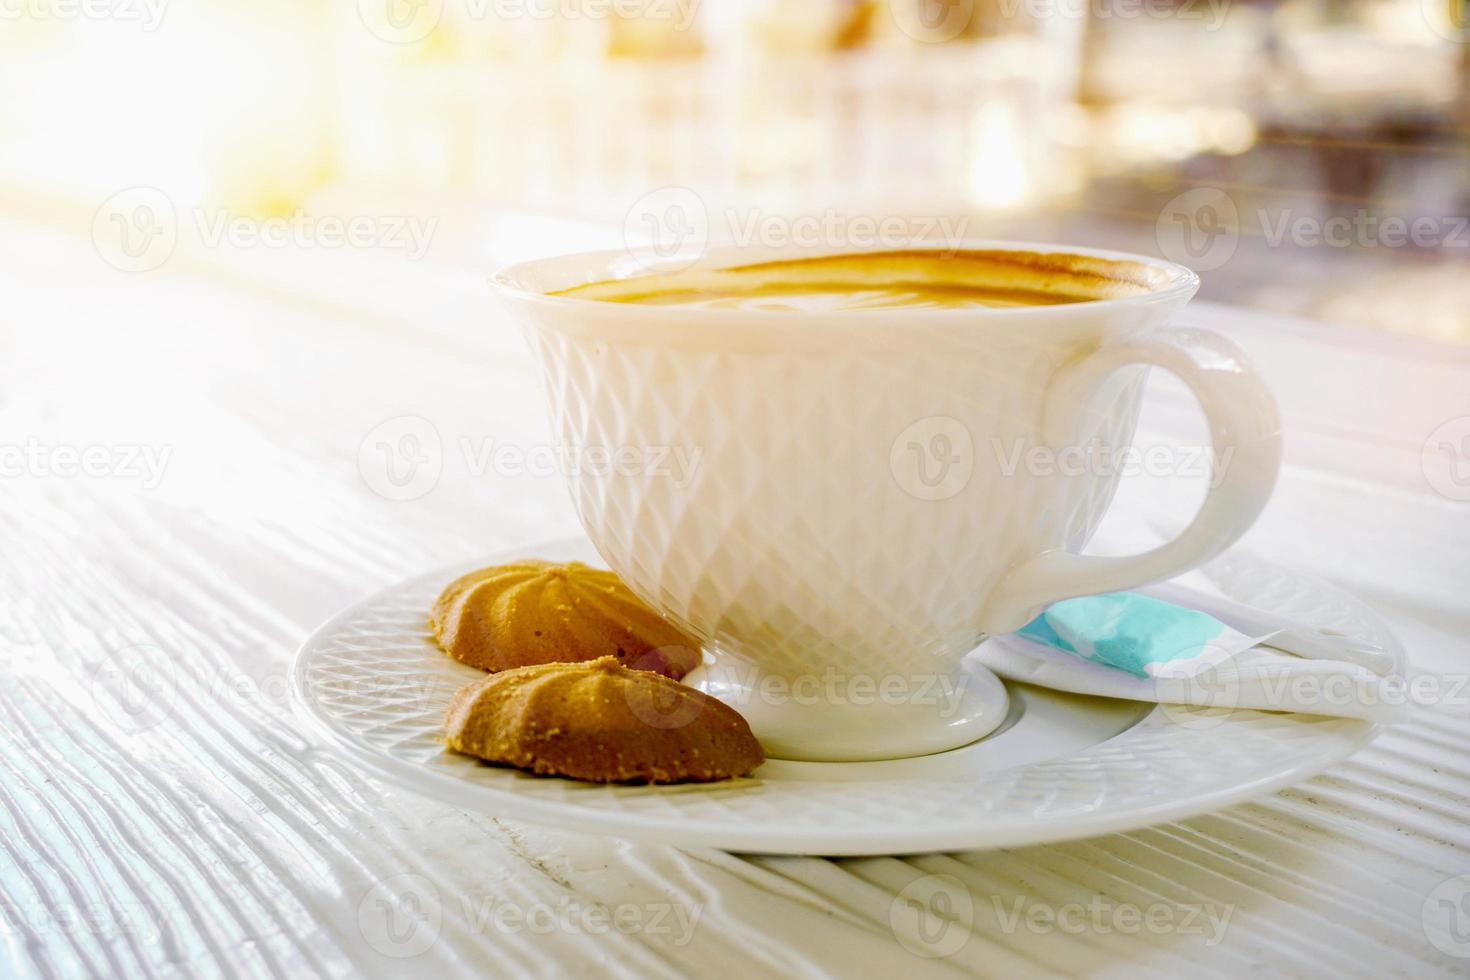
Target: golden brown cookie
x=536, y=612
x=600, y=722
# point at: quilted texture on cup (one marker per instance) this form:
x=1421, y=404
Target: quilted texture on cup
x=846, y=508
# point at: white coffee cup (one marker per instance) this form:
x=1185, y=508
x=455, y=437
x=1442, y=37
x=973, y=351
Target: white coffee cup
x=830, y=500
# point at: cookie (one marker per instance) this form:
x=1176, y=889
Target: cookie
x=600, y=722
x=536, y=612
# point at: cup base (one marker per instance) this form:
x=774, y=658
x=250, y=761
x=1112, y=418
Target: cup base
x=830, y=717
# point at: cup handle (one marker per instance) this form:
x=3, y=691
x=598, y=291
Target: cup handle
x=1243, y=419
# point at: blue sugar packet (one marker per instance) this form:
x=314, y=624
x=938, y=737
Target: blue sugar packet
x=1131, y=632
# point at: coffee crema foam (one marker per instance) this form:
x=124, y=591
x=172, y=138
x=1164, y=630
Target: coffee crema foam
x=908, y=280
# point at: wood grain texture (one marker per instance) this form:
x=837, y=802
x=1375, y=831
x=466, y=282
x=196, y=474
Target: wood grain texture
x=161, y=813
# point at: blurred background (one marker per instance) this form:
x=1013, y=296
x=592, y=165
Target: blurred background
x=1309, y=157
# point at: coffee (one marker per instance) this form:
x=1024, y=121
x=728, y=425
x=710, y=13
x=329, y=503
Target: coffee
x=856, y=282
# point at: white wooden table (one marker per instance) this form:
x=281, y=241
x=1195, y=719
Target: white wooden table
x=186, y=484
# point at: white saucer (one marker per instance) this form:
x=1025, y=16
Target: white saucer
x=1061, y=766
